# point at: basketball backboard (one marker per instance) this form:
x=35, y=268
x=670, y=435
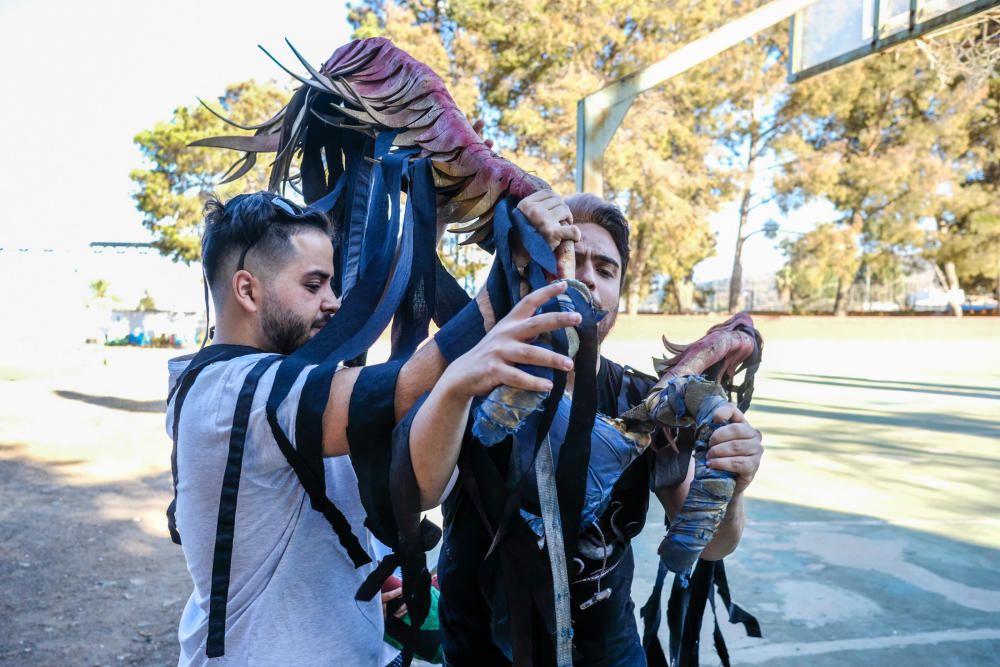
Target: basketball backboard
x=831, y=33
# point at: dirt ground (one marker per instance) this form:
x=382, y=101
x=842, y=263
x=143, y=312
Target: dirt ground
x=91, y=578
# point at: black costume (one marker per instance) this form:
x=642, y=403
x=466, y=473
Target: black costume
x=473, y=611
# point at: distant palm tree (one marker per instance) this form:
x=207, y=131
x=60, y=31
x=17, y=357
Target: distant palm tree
x=146, y=302
x=100, y=288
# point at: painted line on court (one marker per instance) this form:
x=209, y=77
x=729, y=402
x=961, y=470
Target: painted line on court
x=876, y=522
x=759, y=654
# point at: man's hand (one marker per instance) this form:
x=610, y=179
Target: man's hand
x=390, y=595
x=735, y=447
x=549, y=214
x=493, y=361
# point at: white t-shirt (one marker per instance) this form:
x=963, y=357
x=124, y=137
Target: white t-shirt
x=292, y=584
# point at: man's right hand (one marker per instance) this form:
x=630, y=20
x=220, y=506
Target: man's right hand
x=549, y=214
x=494, y=360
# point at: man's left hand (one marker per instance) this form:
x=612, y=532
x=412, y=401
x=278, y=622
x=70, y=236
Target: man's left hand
x=735, y=447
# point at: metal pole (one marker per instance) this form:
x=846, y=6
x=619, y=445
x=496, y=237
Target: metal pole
x=600, y=113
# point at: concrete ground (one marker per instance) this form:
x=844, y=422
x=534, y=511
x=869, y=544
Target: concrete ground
x=874, y=534
x=874, y=528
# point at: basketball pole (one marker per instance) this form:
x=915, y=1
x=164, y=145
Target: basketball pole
x=599, y=114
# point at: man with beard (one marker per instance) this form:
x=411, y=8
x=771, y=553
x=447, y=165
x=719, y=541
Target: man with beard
x=604, y=630
x=273, y=584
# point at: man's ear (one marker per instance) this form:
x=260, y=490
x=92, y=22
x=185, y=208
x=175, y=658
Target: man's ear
x=246, y=291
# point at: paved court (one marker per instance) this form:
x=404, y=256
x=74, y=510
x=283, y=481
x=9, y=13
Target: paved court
x=874, y=535
x=875, y=532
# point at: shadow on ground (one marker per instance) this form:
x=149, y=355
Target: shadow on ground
x=113, y=402
x=79, y=588
x=833, y=588
x=958, y=390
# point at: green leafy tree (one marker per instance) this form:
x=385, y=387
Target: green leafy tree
x=820, y=263
x=888, y=144
x=966, y=239
x=146, y=302
x=171, y=190
x=522, y=66
x=100, y=288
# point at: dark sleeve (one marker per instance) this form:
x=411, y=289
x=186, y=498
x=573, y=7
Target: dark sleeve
x=370, y=422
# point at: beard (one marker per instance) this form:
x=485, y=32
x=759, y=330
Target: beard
x=606, y=324
x=285, y=331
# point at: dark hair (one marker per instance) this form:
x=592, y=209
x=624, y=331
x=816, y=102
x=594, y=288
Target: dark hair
x=587, y=207
x=261, y=221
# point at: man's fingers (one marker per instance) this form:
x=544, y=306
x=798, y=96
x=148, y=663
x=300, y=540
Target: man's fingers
x=728, y=412
x=532, y=355
x=568, y=233
x=391, y=595
x=735, y=448
x=401, y=612
x=739, y=465
x=534, y=300
x=518, y=379
x=733, y=431
x=536, y=325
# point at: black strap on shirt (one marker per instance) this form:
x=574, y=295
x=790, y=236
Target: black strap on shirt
x=204, y=358
x=225, y=526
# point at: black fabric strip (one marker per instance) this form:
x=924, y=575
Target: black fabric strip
x=405, y=498
x=571, y=469
x=736, y=613
x=717, y=638
x=425, y=643
x=650, y=614
x=204, y=358
x=373, y=582
x=315, y=486
x=225, y=528
x=371, y=417
x=702, y=588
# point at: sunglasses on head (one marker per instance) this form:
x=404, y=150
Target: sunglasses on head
x=290, y=208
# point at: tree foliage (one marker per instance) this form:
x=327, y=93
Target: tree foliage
x=908, y=161
x=522, y=66
x=905, y=158
x=821, y=265
x=172, y=189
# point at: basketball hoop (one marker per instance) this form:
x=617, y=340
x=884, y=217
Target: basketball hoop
x=968, y=49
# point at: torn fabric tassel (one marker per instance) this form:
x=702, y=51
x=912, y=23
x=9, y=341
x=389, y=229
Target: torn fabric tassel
x=686, y=401
x=505, y=409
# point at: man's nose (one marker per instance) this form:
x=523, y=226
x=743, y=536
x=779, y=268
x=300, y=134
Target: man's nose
x=585, y=274
x=331, y=304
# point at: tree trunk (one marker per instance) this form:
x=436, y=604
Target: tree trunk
x=736, y=281
x=683, y=291
x=953, y=286
x=633, y=294
x=840, y=305
x=998, y=286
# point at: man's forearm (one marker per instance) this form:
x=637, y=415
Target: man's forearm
x=420, y=373
x=436, y=440
x=417, y=377
x=728, y=535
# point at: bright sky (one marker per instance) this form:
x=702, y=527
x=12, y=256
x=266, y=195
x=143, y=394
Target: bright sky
x=81, y=79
